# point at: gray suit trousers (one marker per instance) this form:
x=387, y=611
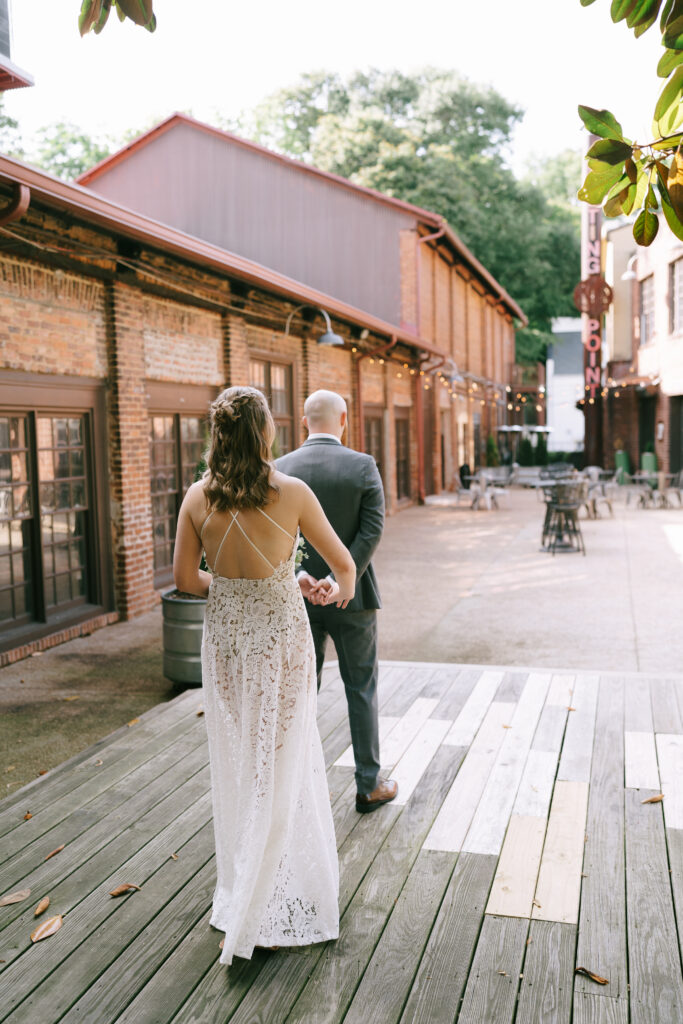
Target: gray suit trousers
x=354, y=635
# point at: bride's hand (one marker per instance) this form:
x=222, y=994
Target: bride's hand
x=331, y=595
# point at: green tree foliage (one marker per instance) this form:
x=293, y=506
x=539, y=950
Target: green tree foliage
x=492, y=453
x=440, y=142
x=10, y=137
x=626, y=176
x=66, y=151
x=94, y=14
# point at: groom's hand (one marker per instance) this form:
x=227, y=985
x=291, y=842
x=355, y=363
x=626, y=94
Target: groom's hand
x=308, y=585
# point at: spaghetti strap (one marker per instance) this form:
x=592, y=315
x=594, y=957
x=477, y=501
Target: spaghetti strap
x=201, y=532
x=220, y=546
x=246, y=536
x=276, y=524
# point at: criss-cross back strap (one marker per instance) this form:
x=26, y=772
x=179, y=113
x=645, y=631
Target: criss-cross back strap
x=220, y=546
x=248, y=539
x=201, y=532
x=276, y=524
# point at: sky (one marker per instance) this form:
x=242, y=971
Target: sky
x=221, y=57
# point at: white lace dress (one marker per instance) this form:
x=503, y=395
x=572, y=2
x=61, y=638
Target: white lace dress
x=276, y=856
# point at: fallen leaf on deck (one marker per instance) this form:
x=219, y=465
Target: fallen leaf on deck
x=507, y=726
x=43, y=771
x=504, y=973
x=124, y=887
x=593, y=977
x=98, y=762
x=133, y=721
x=42, y=906
x=221, y=943
x=15, y=897
x=529, y=941
x=36, y=654
x=27, y=816
x=536, y=904
x=53, y=852
x=10, y=768
x=571, y=709
x=47, y=928
x=75, y=697
x=653, y=799
x=174, y=856
x=200, y=712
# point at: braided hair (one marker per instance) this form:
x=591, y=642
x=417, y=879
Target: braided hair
x=239, y=456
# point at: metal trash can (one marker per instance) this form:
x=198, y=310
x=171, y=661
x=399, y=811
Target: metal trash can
x=183, y=619
x=621, y=465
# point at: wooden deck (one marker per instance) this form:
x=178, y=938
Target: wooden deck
x=518, y=849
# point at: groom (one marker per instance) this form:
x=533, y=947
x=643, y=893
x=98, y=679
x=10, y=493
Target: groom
x=349, y=488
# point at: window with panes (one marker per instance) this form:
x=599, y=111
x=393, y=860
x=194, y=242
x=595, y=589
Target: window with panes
x=647, y=309
x=177, y=444
x=402, y=427
x=676, y=297
x=373, y=429
x=46, y=523
x=275, y=381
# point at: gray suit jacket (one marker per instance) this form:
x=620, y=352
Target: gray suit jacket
x=348, y=486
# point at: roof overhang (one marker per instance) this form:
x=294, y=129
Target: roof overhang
x=12, y=76
x=95, y=209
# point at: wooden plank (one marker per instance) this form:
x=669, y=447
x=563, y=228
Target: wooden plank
x=640, y=760
x=561, y=691
x=153, y=908
x=453, y=700
x=385, y=984
x=670, y=757
x=590, y=1008
x=454, y=818
x=666, y=713
x=511, y=687
x=414, y=762
x=545, y=994
x=491, y=991
x=601, y=942
x=550, y=730
x=490, y=820
x=386, y=724
x=442, y=974
x=637, y=706
x=559, y=877
x=474, y=710
x=577, y=749
x=656, y=981
x=536, y=786
x=83, y=898
x=674, y=838
x=333, y=981
x=406, y=687
x=405, y=731
x=514, y=884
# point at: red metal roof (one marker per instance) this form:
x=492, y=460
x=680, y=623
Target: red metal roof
x=97, y=210
x=11, y=76
x=427, y=217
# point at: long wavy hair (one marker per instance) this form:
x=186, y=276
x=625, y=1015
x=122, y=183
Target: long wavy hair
x=238, y=458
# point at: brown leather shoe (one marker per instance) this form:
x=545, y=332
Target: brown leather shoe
x=385, y=790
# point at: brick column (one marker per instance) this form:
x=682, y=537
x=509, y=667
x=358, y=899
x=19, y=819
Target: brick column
x=131, y=501
x=235, y=350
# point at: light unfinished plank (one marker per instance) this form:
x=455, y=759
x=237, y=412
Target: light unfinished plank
x=414, y=762
x=640, y=760
x=546, y=989
x=590, y=1008
x=577, y=749
x=666, y=712
x=491, y=991
x=454, y=818
x=404, y=732
x=561, y=690
x=386, y=724
x=559, y=877
x=670, y=758
x=674, y=841
x=467, y=723
x=550, y=729
x=514, y=884
x=536, y=786
x=637, y=706
x=487, y=830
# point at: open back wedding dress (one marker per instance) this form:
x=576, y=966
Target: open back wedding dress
x=276, y=857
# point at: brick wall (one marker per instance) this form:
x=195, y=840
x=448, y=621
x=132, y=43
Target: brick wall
x=182, y=344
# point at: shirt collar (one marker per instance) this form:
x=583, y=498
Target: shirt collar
x=331, y=437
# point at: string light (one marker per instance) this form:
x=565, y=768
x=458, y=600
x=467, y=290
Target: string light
x=354, y=349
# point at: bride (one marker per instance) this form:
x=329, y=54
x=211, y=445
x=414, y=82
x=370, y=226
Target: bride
x=276, y=857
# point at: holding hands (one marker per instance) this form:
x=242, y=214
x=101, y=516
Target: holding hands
x=322, y=592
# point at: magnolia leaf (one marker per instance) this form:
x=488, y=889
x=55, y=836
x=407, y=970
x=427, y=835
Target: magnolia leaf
x=641, y=191
x=42, y=906
x=200, y=712
x=139, y=11
x=653, y=799
x=673, y=34
x=667, y=63
x=124, y=887
x=669, y=213
x=15, y=897
x=601, y=122
x=174, y=856
x=614, y=207
x=47, y=928
x=669, y=107
x=596, y=186
x=666, y=11
x=28, y=816
x=591, y=975
x=102, y=20
x=644, y=14
x=120, y=11
x=607, y=151
x=674, y=184
x=644, y=231
x=670, y=142
x=133, y=721
x=54, y=852
x=90, y=13
x=621, y=8
x=619, y=187
x=652, y=198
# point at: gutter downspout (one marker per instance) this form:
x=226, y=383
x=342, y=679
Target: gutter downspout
x=419, y=407
x=383, y=350
x=19, y=204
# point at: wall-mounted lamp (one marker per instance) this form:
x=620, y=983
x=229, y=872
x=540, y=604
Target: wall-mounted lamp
x=630, y=274
x=329, y=337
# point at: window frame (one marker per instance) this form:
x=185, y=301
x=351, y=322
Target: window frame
x=402, y=413
x=260, y=355
x=646, y=318
x=676, y=296
x=376, y=413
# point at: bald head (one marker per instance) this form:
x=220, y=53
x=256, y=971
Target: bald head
x=325, y=413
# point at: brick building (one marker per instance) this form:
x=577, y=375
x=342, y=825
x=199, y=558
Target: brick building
x=117, y=330
x=643, y=376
